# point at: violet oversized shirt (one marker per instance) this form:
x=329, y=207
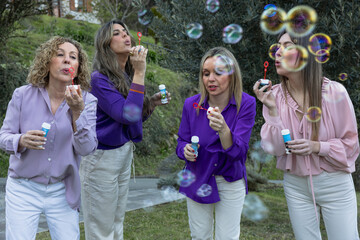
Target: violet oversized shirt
x=117, y=122
x=212, y=159
x=27, y=110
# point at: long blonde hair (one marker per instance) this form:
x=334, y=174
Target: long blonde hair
x=235, y=84
x=312, y=77
x=39, y=70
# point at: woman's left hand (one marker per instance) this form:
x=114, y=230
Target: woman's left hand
x=217, y=121
x=74, y=99
x=303, y=147
x=156, y=99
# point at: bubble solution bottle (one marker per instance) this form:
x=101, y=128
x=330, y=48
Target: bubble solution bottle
x=163, y=94
x=286, y=136
x=194, y=144
x=45, y=127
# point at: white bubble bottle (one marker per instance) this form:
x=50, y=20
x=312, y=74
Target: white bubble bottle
x=163, y=94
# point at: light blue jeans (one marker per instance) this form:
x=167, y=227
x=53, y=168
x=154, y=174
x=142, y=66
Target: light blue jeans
x=105, y=177
x=26, y=200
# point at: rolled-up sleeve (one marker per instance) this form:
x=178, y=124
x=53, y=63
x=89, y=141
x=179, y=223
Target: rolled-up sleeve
x=85, y=140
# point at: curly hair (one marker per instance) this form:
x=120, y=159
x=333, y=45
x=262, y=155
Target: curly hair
x=39, y=70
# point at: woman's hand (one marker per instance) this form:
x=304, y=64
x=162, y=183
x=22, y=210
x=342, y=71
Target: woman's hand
x=303, y=147
x=138, y=59
x=267, y=98
x=155, y=99
x=189, y=152
x=33, y=139
x=74, y=99
x=217, y=121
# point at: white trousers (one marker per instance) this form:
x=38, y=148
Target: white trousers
x=105, y=177
x=335, y=198
x=227, y=213
x=25, y=200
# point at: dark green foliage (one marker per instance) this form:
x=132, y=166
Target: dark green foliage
x=339, y=19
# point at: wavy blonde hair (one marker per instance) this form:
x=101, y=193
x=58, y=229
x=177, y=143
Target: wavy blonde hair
x=39, y=70
x=235, y=84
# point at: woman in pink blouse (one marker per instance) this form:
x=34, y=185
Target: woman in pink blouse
x=324, y=146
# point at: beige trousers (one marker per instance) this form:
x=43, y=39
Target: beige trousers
x=227, y=213
x=335, y=199
x=105, y=177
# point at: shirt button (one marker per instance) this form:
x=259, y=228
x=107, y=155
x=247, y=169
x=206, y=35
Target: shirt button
x=217, y=133
x=215, y=164
x=52, y=122
x=51, y=140
x=213, y=175
x=49, y=159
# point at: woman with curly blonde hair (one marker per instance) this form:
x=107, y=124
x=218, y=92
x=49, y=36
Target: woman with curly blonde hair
x=43, y=171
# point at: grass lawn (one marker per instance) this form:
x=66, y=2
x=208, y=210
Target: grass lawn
x=170, y=221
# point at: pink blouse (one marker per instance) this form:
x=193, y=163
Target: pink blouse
x=338, y=136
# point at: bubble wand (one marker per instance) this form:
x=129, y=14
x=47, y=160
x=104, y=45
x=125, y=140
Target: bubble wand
x=72, y=71
x=139, y=36
x=266, y=64
x=196, y=105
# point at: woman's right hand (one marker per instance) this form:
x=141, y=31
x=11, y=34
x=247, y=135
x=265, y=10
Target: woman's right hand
x=267, y=98
x=189, y=152
x=138, y=59
x=33, y=139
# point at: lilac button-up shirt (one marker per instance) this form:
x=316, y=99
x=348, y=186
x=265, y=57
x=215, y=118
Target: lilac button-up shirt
x=27, y=110
x=212, y=159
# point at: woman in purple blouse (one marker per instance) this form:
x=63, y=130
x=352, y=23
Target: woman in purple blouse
x=118, y=83
x=216, y=176
x=43, y=173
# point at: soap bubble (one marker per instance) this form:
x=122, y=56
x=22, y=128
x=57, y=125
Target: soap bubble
x=300, y=21
x=295, y=58
x=343, y=76
x=145, y=17
x=270, y=6
x=259, y=155
x=313, y=114
x=254, y=209
x=273, y=49
x=148, y=205
x=194, y=30
x=204, y=190
x=232, y=33
x=223, y=65
x=185, y=178
x=319, y=41
x=132, y=113
x=212, y=5
x=272, y=20
x=322, y=56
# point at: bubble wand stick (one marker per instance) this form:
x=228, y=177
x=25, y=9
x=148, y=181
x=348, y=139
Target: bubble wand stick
x=72, y=71
x=196, y=105
x=139, y=36
x=266, y=64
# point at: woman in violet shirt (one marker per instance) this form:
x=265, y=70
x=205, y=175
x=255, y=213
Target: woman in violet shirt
x=321, y=119
x=216, y=176
x=43, y=172
x=118, y=83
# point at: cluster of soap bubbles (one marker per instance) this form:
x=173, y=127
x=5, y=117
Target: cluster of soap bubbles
x=132, y=113
x=231, y=34
x=299, y=21
x=254, y=209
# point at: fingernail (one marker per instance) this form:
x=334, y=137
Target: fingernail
x=195, y=160
x=193, y=150
x=194, y=155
